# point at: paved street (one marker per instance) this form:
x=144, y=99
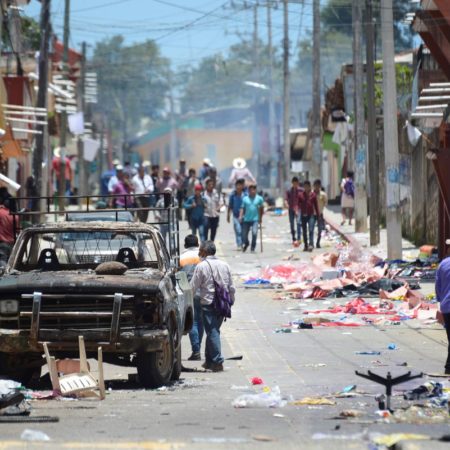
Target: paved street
x=198, y=411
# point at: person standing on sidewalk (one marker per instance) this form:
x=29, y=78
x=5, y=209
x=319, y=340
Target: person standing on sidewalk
x=189, y=187
x=309, y=212
x=322, y=201
x=212, y=211
x=292, y=203
x=188, y=262
x=209, y=270
x=234, y=208
x=196, y=206
x=252, y=210
x=347, y=198
x=442, y=288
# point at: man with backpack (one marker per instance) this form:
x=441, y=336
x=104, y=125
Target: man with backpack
x=188, y=262
x=347, y=198
x=212, y=278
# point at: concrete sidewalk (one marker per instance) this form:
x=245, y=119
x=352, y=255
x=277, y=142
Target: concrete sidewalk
x=333, y=217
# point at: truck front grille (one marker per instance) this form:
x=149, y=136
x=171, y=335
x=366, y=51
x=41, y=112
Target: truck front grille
x=76, y=311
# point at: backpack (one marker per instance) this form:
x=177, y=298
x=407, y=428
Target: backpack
x=222, y=302
x=349, y=188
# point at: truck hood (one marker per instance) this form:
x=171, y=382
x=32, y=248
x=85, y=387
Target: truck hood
x=81, y=282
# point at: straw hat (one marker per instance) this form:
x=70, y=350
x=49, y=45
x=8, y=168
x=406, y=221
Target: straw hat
x=207, y=161
x=146, y=163
x=116, y=162
x=239, y=163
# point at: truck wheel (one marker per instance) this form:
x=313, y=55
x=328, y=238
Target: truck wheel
x=155, y=368
x=19, y=368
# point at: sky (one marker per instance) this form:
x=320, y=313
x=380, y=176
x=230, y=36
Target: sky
x=186, y=30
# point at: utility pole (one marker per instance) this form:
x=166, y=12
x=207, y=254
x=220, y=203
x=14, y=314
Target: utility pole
x=83, y=178
x=371, y=126
x=16, y=38
x=286, y=157
x=316, y=122
x=393, y=218
x=173, y=127
x=256, y=77
x=360, y=138
x=273, y=153
x=63, y=130
x=39, y=150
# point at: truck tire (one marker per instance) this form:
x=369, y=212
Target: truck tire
x=19, y=368
x=155, y=368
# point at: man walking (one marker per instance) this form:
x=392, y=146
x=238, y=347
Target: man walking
x=212, y=211
x=309, y=212
x=442, y=288
x=252, y=210
x=143, y=186
x=188, y=262
x=234, y=207
x=209, y=270
x=322, y=201
x=292, y=203
x=196, y=205
x=6, y=230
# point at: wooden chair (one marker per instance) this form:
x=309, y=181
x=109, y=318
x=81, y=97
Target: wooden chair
x=83, y=383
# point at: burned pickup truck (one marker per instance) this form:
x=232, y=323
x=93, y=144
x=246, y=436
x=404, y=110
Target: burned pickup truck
x=114, y=283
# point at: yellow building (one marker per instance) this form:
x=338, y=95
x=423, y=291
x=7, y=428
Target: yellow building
x=194, y=143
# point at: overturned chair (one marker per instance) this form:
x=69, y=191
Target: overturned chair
x=81, y=383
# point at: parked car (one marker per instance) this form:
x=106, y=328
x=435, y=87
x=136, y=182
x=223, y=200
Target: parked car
x=53, y=290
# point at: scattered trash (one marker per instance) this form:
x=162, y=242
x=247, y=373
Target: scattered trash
x=351, y=413
x=256, y=380
x=313, y=401
x=368, y=352
x=315, y=365
x=392, y=347
x=34, y=435
x=8, y=386
x=278, y=416
x=349, y=388
x=425, y=390
x=270, y=399
x=389, y=440
x=262, y=438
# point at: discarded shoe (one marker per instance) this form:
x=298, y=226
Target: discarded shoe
x=195, y=356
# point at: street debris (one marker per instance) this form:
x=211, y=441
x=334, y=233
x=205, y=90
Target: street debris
x=256, y=380
x=269, y=398
x=34, y=435
x=313, y=401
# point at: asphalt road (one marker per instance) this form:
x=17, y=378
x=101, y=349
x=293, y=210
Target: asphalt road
x=198, y=413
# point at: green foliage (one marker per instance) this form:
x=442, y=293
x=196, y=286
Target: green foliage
x=337, y=16
x=404, y=78
x=132, y=82
x=219, y=81
x=31, y=34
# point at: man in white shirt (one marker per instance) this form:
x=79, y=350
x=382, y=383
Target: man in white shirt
x=143, y=186
x=209, y=270
x=212, y=211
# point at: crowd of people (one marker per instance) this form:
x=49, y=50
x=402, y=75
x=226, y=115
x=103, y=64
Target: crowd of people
x=200, y=196
x=305, y=204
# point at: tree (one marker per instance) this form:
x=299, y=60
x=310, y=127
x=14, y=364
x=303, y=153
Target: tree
x=219, y=81
x=337, y=16
x=132, y=83
x=30, y=32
